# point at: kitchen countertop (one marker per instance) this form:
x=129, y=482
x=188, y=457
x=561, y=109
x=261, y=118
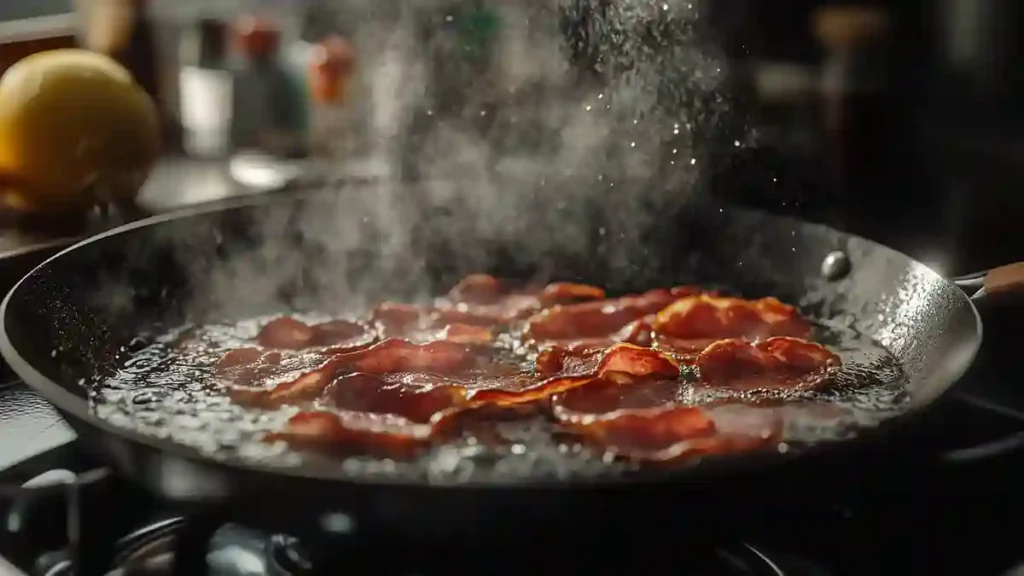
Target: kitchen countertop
x=174, y=183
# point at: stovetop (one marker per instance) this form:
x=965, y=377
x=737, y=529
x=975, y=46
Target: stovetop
x=952, y=510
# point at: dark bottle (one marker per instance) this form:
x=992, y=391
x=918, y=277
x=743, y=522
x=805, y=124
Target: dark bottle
x=267, y=112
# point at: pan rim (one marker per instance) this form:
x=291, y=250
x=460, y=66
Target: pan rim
x=69, y=403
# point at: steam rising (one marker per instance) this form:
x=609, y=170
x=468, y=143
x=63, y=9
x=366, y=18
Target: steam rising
x=573, y=124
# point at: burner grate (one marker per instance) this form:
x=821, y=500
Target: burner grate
x=233, y=550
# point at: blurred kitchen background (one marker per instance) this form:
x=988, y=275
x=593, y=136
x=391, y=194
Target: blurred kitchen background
x=894, y=120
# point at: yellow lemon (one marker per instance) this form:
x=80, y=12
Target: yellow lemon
x=75, y=129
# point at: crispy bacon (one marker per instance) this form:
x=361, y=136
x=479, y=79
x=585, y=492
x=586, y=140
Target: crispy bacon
x=779, y=363
x=601, y=318
x=466, y=334
x=289, y=333
x=393, y=318
x=606, y=369
x=394, y=416
x=261, y=377
x=655, y=435
x=285, y=333
x=704, y=317
x=621, y=360
x=575, y=359
x=483, y=300
x=477, y=289
x=422, y=400
x=679, y=432
x=485, y=289
x=394, y=355
x=480, y=301
x=569, y=291
x=354, y=434
x=603, y=399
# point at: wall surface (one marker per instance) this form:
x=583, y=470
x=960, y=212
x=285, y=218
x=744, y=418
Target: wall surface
x=16, y=9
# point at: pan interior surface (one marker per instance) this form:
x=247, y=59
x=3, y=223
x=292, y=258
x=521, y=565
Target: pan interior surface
x=100, y=309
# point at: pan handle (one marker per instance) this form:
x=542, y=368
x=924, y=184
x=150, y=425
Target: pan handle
x=999, y=280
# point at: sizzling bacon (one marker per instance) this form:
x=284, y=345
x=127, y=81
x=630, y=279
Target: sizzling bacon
x=393, y=355
x=466, y=334
x=680, y=432
x=283, y=376
x=621, y=360
x=569, y=291
x=289, y=333
x=392, y=319
x=477, y=289
x=261, y=377
x=569, y=360
x=353, y=433
x=602, y=318
x=604, y=399
x=419, y=400
x=483, y=300
x=703, y=317
x=391, y=415
x=608, y=369
x=653, y=435
x=779, y=363
x=485, y=289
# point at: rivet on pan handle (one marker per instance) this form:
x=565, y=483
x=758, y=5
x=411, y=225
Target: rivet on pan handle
x=1000, y=280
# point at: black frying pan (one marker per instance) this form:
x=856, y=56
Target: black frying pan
x=73, y=316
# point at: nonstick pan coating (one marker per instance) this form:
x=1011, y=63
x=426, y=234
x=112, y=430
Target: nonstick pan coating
x=72, y=316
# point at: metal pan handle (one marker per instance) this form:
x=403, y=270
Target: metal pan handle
x=1000, y=280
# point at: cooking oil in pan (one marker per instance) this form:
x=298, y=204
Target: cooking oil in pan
x=165, y=389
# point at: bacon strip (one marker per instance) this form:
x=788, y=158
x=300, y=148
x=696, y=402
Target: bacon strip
x=602, y=318
x=353, y=433
x=375, y=414
x=621, y=359
x=704, y=317
x=655, y=435
x=264, y=378
x=673, y=433
x=485, y=289
x=478, y=301
x=394, y=355
x=779, y=363
x=604, y=399
x=420, y=400
x=289, y=333
x=261, y=377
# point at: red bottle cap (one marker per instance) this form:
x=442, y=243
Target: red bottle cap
x=257, y=37
x=330, y=68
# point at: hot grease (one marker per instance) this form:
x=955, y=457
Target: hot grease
x=167, y=388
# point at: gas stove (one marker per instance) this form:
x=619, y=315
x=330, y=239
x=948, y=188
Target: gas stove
x=944, y=512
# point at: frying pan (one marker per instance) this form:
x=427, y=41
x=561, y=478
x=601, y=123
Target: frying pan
x=74, y=315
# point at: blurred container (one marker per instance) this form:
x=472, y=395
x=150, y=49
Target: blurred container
x=330, y=67
x=268, y=108
x=206, y=91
